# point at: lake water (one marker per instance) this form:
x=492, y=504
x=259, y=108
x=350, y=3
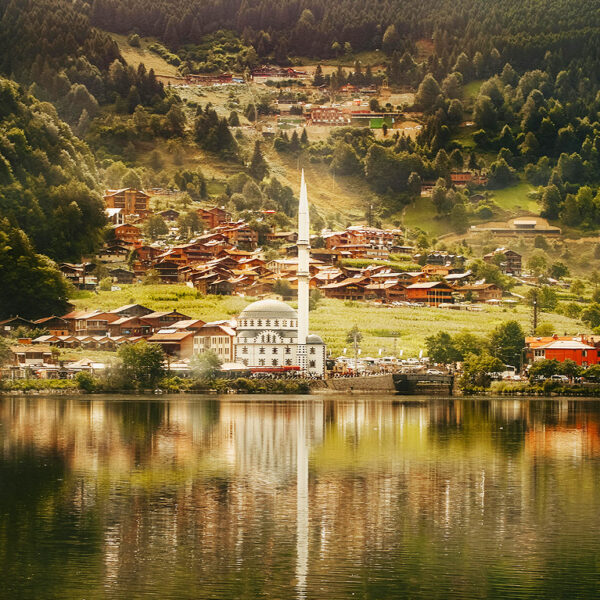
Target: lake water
x=298, y=497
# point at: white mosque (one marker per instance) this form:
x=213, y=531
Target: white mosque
x=271, y=335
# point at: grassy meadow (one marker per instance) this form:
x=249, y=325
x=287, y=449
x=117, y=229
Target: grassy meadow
x=333, y=318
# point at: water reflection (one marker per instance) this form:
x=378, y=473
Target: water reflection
x=308, y=498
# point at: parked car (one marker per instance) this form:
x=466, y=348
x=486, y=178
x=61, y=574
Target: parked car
x=561, y=378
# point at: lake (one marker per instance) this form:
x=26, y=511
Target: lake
x=298, y=497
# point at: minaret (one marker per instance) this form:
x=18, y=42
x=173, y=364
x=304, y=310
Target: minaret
x=303, y=274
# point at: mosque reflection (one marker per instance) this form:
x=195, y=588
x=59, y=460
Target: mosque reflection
x=239, y=497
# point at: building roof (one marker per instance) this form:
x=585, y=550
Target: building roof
x=567, y=345
x=314, y=339
x=271, y=308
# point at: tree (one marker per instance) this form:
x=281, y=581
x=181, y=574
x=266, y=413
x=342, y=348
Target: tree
x=354, y=334
x=559, y=270
x=31, y=285
x=190, y=223
x=391, y=40
x=131, y=180
x=440, y=348
x=543, y=369
x=155, y=226
x=258, y=166
x=5, y=351
x=478, y=371
x=507, y=342
x=485, y=114
x=142, y=363
x=318, y=79
x=345, y=161
x=428, y=93
x=206, y=365
x=283, y=288
x=591, y=315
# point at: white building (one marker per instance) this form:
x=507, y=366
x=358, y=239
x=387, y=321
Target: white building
x=267, y=337
x=272, y=335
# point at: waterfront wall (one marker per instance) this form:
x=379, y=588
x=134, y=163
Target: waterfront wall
x=373, y=383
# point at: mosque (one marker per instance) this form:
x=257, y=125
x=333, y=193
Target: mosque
x=273, y=336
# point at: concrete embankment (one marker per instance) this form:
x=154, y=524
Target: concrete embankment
x=376, y=384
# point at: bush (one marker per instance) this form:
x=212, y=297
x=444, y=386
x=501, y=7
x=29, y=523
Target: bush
x=86, y=382
x=134, y=40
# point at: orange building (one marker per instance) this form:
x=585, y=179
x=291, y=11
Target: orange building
x=433, y=293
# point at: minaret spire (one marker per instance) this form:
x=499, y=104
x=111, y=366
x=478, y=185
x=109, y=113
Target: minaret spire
x=303, y=273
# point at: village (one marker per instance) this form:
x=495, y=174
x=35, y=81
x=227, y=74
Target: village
x=227, y=260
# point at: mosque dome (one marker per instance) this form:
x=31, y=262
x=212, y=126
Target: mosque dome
x=314, y=339
x=268, y=309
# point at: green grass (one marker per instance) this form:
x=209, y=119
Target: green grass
x=422, y=214
x=135, y=56
x=332, y=318
x=471, y=90
x=360, y=263
x=515, y=199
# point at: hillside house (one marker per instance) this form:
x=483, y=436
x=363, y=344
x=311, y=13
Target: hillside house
x=130, y=201
x=130, y=326
x=8, y=326
x=54, y=325
x=175, y=343
x=482, y=292
x=351, y=288
x=213, y=217
x=161, y=320
x=329, y=115
x=432, y=293
x=130, y=234
x=120, y=275
x=509, y=261
x=131, y=310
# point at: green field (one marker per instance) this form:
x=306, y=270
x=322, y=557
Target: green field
x=333, y=318
x=515, y=199
x=422, y=214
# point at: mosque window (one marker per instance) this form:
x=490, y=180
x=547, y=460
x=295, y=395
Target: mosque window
x=274, y=362
x=276, y=322
x=312, y=349
x=274, y=350
x=268, y=323
x=245, y=361
x=245, y=350
x=259, y=323
x=288, y=350
x=284, y=323
x=251, y=322
x=288, y=362
x=261, y=350
x=261, y=362
x=312, y=364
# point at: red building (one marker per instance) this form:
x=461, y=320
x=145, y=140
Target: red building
x=561, y=349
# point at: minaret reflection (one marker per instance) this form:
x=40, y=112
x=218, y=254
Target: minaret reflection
x=302, y=506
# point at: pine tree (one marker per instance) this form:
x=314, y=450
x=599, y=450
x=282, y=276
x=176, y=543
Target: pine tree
x=258, y=166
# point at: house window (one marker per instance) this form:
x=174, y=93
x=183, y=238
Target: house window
x=261, y=362
x=274, y=350
x=312, y=364
x=245, y=350
x=585, y=353
x=261, y=350
x=288, y=350
x=274, y=362
x=312, y=350
x=288, y=362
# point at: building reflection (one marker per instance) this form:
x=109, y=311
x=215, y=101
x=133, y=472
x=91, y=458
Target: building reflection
x=282, y=495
